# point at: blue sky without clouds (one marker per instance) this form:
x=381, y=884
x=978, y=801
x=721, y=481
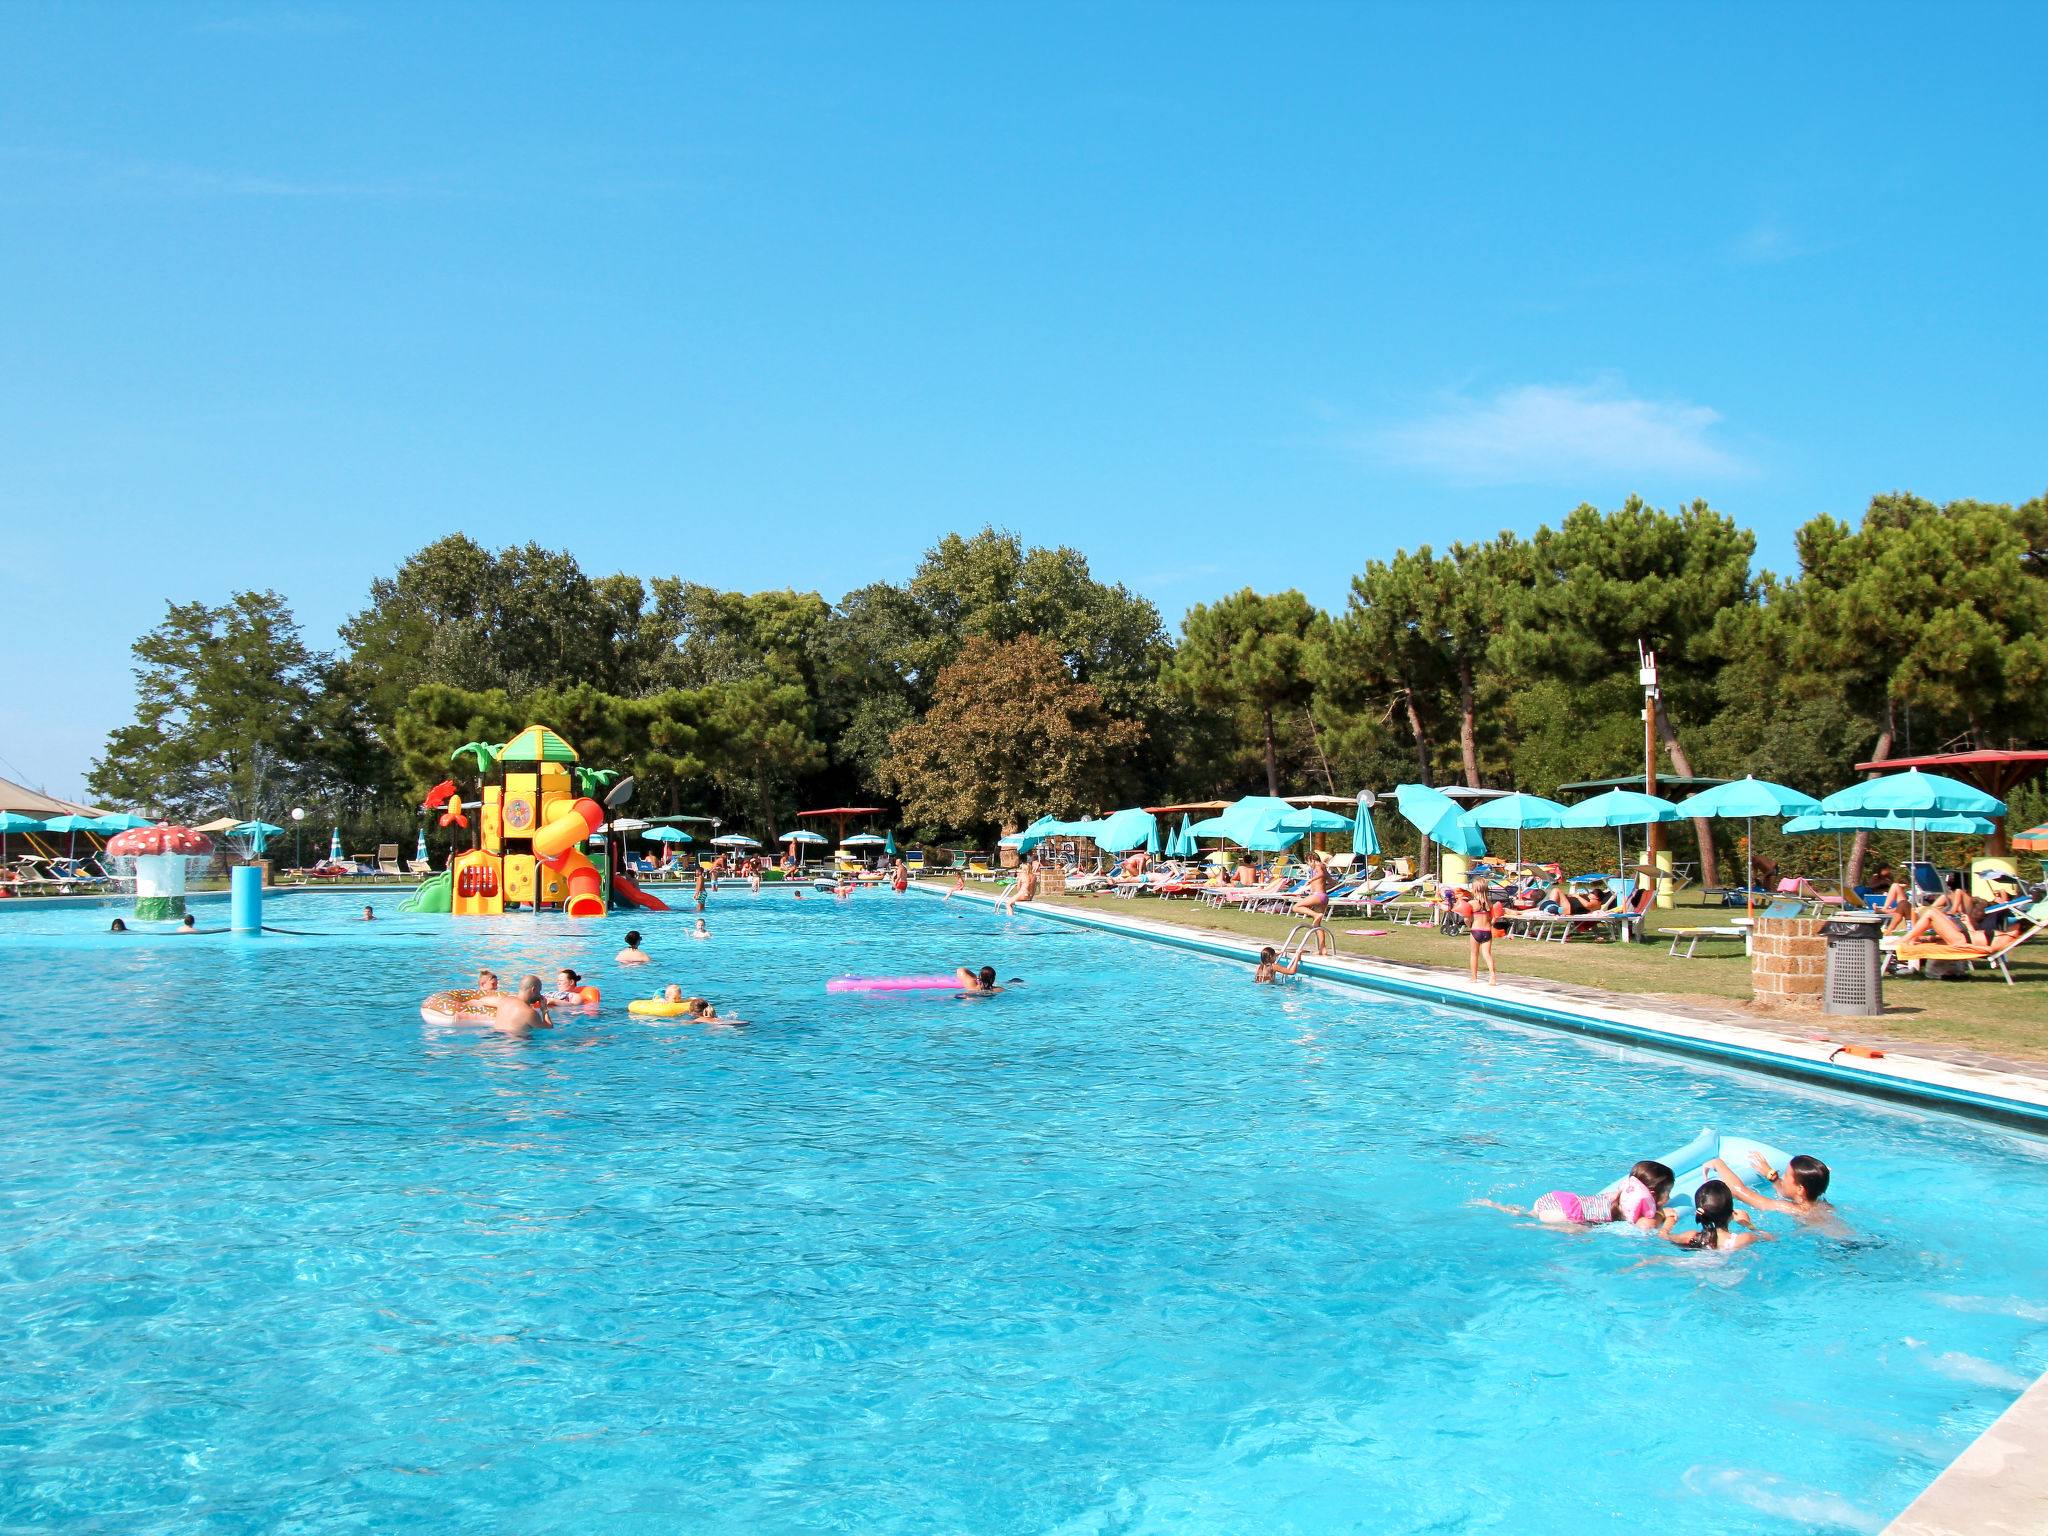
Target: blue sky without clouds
x=772, y=296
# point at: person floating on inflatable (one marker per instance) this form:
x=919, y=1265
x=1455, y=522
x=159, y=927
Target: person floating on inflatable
x=1635, y=1200
x=570, y=991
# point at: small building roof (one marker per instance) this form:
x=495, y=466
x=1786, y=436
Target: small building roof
x=537, y=744
x=24, y=801
x=1993, y=772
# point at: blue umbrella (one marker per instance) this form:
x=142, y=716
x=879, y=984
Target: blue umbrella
x=1127, y=830
x=120, y=821
x=1365, y=838
x=1436, y=815
x=1974, y=826
x=1183, y=844
x=889, y=842
x=419, y=854
x=1749, y=798
x=1620, y=808
x=1916, y=793
x=334, y=847
x=675, y=835
x=1517, y=811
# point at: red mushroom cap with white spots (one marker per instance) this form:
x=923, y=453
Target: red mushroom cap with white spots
x=162, y=838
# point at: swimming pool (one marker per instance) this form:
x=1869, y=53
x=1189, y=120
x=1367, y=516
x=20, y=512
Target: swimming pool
x=1132, y=1247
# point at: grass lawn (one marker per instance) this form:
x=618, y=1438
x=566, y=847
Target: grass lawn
x=1980, y=1014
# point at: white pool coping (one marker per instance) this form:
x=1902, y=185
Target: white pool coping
x=1998, y=1486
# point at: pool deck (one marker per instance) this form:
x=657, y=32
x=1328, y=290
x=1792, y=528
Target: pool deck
x=1999, y=1484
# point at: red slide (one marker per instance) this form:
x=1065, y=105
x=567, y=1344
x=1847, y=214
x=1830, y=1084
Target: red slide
x=629, y=891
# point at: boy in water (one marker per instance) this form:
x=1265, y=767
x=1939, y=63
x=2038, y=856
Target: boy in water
x=631, y=954
x=1799, y=1186
x=486, y=983
x=700, y=931
x=521, y=1013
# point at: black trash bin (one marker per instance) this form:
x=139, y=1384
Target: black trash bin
x=1855, y=982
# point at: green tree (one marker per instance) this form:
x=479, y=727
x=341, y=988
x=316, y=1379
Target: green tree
x=1939, y=610
x=759, y=729
x=1010, y=736
x=1602, y=584
x=1255, y=651
x=226, y=716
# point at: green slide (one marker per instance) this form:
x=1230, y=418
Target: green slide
x=435, y=895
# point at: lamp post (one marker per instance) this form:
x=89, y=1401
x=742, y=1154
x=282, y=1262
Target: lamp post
x=298, y=858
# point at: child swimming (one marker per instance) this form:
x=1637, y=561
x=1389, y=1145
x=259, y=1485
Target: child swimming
x=1271, y=967
x=1647, y=1187
x=1713, y=1214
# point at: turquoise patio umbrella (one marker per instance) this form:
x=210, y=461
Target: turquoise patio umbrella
x=1915, y=793
x=1620, y=808
x=1517, y=811
x=1309, y=819
x=677, y=835
x=1127, y=831
x=1437, y=816
x=1749, y=798
x=120, y=821
x=1365, y=837
x=419, y=854
x=71, y=826
x=1183, y=844
x=257, y=832
x=334, y=847
x=889, y=842
x=14, y=821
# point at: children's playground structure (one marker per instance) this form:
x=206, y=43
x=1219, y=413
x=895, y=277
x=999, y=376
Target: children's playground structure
x=533, y=831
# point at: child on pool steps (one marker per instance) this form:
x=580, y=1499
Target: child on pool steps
x=1646, y=1188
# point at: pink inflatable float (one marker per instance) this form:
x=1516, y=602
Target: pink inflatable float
x=892, y=983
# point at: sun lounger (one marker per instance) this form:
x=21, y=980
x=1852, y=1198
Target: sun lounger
x=1690, y=937
x=1971, y=955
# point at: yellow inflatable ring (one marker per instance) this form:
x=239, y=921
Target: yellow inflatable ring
x=659, y=1008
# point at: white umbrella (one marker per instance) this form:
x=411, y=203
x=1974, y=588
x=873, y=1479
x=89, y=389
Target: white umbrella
x=733, y=840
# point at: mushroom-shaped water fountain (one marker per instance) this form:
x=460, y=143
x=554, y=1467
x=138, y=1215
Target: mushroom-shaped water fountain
x=159, y=853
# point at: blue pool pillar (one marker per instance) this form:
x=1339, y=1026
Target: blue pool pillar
x=245, y=898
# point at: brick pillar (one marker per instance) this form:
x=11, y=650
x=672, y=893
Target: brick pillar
x=1788, y=963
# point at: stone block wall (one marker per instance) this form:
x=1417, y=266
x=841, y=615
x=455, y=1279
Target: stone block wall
x=1788, y=962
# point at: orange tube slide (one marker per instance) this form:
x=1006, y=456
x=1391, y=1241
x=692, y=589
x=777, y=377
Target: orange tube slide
x=556, y=842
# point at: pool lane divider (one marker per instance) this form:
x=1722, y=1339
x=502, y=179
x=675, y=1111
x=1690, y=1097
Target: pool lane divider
x=2003, y=1098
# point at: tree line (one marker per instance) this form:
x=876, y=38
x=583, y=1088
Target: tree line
x=1003, y=681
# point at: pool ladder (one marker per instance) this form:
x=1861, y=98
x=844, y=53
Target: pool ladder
x=1293, y=949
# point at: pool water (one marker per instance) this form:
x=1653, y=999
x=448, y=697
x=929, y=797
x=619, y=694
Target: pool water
x=1134, y=1246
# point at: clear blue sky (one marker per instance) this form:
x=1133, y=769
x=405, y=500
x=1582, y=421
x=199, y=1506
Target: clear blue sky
x=779, y=295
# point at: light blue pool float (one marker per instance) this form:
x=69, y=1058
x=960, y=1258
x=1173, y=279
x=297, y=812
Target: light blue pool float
x=1688, y=1163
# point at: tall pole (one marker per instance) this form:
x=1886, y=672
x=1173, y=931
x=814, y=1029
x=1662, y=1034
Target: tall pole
x=1653, y=832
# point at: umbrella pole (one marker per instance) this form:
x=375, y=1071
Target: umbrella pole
x=1749, y=866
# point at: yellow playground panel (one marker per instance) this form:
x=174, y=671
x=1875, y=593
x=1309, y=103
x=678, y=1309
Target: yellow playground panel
x=532, y=823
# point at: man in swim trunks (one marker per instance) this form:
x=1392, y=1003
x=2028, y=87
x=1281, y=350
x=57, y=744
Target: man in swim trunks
x=631, y=954
x=520, y=1014
x=369, y=914
x=982, y=981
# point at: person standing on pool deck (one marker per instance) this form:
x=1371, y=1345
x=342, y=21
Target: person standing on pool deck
x=1481, y=912
x=631, y=954
x=1315, y=901
x=522, y=1012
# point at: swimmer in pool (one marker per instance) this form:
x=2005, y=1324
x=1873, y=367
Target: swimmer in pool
x=568, y=988
x=702, y=1012
x=1638, y=1200
x=521, y=1013
x=369, y=914
x=700, y=931
x=981, y=982
x=1798, y=1186
x=1271, y=967
x=119, y=927
x=1714, y=1217
x=187, y=926
x=486, y=983
x=631, y=954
